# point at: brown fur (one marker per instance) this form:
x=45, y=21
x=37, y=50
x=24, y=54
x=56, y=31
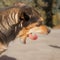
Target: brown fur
x=9, y=29
x=32, y=13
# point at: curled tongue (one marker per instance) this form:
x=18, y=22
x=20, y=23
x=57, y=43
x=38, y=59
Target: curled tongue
x=33, y=37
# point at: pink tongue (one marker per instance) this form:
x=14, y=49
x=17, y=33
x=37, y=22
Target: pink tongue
x=33, y=37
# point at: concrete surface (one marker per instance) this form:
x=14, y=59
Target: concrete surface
x=47, y=47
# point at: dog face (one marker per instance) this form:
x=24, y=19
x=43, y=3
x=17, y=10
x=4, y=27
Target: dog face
x=33, y=22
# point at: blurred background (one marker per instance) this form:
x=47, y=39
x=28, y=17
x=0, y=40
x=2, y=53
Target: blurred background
x=49, y=9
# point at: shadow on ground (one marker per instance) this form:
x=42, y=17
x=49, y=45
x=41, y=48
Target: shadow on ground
x=55, y=46
x=5, y=57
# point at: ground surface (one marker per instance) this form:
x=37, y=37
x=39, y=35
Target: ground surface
x=47, y=47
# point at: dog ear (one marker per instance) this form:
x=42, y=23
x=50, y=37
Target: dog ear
x=24, y=17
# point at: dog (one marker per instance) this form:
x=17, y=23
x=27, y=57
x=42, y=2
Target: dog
x=15, y=22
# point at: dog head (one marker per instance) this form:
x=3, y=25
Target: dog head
x=31, y=18
x=32, y=21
